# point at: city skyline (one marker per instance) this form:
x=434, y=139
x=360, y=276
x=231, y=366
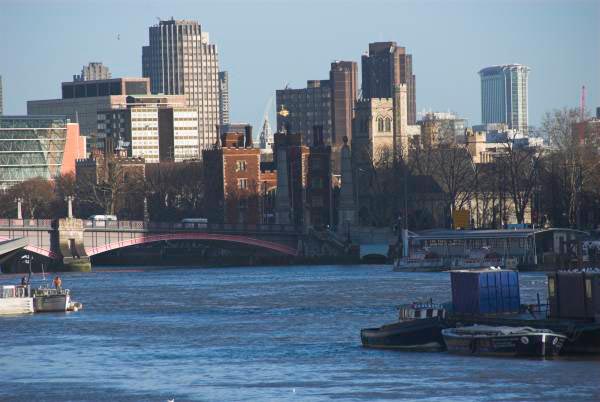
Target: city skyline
x=447, y=67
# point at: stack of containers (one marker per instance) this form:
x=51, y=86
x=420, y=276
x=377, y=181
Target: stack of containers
x=485, y=292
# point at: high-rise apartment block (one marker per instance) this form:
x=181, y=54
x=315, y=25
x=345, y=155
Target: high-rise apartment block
x=385, y=68
x=223, y=98
x=504, y=96
x=343, y=82
x=303, y=110
x=92, y=72
x=151, y=127
x=180, y=60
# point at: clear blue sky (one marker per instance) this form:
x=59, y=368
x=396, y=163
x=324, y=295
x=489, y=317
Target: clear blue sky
x=265, y=44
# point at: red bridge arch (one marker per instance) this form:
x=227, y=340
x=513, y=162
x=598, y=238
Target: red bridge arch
x=281, y=248
x=36, y=250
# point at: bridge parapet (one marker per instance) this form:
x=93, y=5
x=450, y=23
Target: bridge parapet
x=42, y=224
x=192, y=227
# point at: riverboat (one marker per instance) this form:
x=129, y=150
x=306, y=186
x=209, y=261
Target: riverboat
x=15, y=300
x=483, y=340
x=476, y=259
x=419, y=260
x=419, y=328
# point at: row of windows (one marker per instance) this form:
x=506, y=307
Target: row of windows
x=477, y=243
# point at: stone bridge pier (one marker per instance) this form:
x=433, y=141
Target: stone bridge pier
x=69, y=240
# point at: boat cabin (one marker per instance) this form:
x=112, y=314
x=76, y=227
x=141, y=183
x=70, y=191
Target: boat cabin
x=417, y=311
x=11, y=291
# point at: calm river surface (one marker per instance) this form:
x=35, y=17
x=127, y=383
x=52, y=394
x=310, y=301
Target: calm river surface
x=259, y=334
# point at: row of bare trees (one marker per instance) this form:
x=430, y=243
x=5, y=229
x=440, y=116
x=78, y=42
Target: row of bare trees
x=165, y=192
x=557, y=184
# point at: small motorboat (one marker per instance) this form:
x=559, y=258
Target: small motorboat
x=47, y=299
x=485, y=340
x=419, y=328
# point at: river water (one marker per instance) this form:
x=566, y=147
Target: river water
x=257, y=334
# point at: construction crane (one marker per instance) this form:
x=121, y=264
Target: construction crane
x=582, y=104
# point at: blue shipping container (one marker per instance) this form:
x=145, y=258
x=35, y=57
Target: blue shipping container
x=485, y=292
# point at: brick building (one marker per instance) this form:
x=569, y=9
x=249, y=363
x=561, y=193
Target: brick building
x=304, y=195
x=236, y=182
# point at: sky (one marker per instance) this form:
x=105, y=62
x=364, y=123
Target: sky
x=266, y=44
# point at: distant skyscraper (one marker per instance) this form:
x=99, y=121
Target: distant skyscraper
x=223, y=98
x=180, y=60
x=386, y=67
x=343, y=82
x=504, y=96
x=266, y=136
x=304, y=109
x=93, y=71
x=1, y=98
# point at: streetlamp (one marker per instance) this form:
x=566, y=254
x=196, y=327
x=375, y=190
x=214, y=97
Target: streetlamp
x=19, y=201
x=69, y=199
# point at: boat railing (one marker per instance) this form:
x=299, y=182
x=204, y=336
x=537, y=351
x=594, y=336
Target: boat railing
x=45, y=291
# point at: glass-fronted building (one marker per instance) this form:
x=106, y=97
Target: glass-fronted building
x=37, y=146
x=504, y=96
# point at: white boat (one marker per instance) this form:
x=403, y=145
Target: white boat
x=48, y=299
x=15, y=300
x=479, y=259
x=419, y=260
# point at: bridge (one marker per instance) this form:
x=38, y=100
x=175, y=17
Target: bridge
x=71, y=241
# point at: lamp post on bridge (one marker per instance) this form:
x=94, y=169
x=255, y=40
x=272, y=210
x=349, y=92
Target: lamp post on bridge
x=69, y=199
x=19, y=201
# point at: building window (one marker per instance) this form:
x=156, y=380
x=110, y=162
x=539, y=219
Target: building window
x=243, y=204
x=380, y=124
x=240, y=166
x=388, y=124
x=242, y=184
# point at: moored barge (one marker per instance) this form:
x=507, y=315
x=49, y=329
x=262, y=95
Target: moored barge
x=484, y=340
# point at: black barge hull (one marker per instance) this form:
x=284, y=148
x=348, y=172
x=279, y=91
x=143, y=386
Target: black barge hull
x=531, y=345
x=582, y=337
x=417, y=335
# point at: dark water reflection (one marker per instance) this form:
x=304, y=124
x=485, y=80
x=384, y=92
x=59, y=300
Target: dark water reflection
x=260, y=334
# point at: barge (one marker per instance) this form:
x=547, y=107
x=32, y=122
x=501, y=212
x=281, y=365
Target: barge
x=485, y=340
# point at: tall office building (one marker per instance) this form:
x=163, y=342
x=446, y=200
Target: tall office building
x=1, y=98
x=385, y=68
x=93, y=71
x=504, y=96
x=302, y=110
x=158, y=128
x=343, y=82
x=180, y=60
x=81, y=101
x=223, y=98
